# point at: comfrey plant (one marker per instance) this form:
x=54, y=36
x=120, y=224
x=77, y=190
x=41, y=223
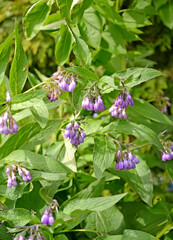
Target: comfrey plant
x=167, y=154
x=8, y=124
x=118, y=109
x=23, y=172
x=162, y=103
x=126, y=160
x=75, y=133
x=47, y=218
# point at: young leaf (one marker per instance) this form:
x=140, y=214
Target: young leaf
x=64, y=45
x=92, y=204
x=81, y=50
x=19, y=67
x=165, y=13
x=35, y=17
x=40, y=112
x=103, y=154
x=5, y=48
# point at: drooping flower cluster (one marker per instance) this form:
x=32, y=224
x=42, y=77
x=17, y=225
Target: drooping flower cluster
x=75, y=133
x=47, y=218
x=118, y=109
x=162, y=103
x=8, y=124
x=23, y=172
x=126, y=160
x=34, y=232
x=60, y=80
x=90, y=102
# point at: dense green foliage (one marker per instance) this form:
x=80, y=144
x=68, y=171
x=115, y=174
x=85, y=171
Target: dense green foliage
x=100, y=42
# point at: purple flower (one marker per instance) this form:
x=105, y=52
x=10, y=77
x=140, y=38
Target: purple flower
x=167, y=156
x=8, y=98
x=45, y=218
x=51, y=219
x=75, y=133
x=126, y=161
x=7, y=123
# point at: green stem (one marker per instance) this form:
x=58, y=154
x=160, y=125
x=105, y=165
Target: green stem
x=165, y=229
x=35, y=87
x=81, y=230
x=117, y=5
x=139, y=146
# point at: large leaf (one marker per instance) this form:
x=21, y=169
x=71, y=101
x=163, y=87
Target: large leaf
x=103, y=154
x=18, y=216
x=139, y=179
x=19, y=67
x=92, y=204
x=165, y=13
x=36, y=161
x=64, y=45
x=138, y=130
x=40, y=112
x=90, y=27
x=136, y=235
x=149, y=111
x=5, y=48
x=104, y=221
x=35, y=17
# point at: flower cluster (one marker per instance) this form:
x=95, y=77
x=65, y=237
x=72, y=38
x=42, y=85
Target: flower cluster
x=90, y=102
x=124, y=99
x=126, y=160
x=162, y=103
x=47, y=218
x=23, y=172
x=34, y=232
x=8, y=124
x=60, y=80
x=75, y=133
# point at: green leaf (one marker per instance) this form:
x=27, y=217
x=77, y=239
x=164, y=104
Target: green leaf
x=135, y=19
x=83, y=72
x=136, y=235
x=35, y=17
x=165, y=13
x=36, y=161
x=64, y=6
x=18, y=216
x=136, y=76
x=17, y=140
x=5, y=234
x=90, y=27
x=139, y=179
x=115, y=39
x=19, y=67
x=68, y=159
x=149, y=111
x=138, y=130
x=77, y=11
x=104, y=221
x=103, y=7
x=92, y=204
x=74, y=3
x=103, y=154
x=82, y=51
x=115, y=237
x=64, y=45
x=61, y=237
x=40, y=112
x=5, y=49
